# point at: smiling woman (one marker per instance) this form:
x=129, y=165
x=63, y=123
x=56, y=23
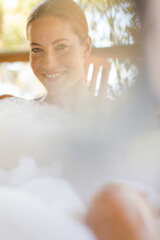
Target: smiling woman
x=60, y=45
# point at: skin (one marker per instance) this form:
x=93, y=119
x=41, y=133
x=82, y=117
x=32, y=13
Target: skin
x=56, y=49
x=151, y=43
x=5, y=96
x=119, y=213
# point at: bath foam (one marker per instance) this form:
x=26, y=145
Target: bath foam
x=35, y=205
x=88, y=148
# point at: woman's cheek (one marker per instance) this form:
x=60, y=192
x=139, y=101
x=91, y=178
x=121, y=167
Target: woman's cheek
x=69, y=61
x=68, y=57
x=36, y=64
x=72, y=54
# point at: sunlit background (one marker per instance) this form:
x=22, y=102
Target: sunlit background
x=111, y=23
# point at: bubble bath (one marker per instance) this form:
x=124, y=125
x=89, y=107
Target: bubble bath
x=32, y=206
x=53, y=161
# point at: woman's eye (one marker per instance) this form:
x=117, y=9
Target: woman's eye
x=62, y=46
x=36, y=50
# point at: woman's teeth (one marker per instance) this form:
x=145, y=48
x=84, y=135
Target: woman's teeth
x=54, y=75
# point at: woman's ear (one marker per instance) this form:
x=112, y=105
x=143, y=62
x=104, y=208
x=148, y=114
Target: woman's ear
x=87, y=47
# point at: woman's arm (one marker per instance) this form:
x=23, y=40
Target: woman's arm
x=5, y=96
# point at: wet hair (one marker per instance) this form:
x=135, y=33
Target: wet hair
x=67, y=10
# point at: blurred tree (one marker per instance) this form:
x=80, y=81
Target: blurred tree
x=120, y=15
x=13, y=15
x=121, y=19
x=1, y=21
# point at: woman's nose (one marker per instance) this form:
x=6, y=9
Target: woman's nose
x=49, y=60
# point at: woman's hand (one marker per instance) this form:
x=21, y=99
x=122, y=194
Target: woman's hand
x=119, y=213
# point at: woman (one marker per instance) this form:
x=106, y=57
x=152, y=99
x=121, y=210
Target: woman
x=59, y=46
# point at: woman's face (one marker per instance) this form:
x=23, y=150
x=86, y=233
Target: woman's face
x=152, y=43
x=57, y=57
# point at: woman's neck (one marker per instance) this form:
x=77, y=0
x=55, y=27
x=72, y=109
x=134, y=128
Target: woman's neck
x=71, y=98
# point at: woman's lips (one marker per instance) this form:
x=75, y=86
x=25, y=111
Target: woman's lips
x=53, y=75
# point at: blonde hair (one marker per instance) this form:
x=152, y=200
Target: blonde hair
x=68, y=10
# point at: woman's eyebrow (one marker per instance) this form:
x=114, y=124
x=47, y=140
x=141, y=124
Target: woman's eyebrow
x=37, y=44
x=56, y=41
x=61, y=39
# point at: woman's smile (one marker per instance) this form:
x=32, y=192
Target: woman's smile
x=53, y=76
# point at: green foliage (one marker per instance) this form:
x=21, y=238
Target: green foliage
x=13, y=23
x=121, y=18
x=113, y=12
